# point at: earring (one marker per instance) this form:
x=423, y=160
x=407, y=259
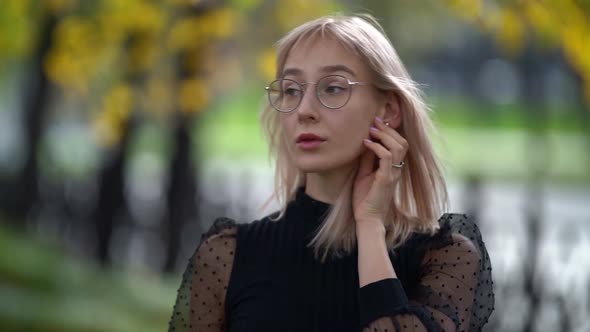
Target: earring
x=387, y=124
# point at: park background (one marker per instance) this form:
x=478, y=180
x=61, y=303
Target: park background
x=127, y=126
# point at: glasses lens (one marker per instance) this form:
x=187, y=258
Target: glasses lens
x=333, y=91
x=284, y=95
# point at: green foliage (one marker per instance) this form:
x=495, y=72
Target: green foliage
x=488, y=140
x=44, y=289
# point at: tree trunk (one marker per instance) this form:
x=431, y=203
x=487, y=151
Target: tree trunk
x=111, y=197
x=181, y=194
x=22, y=192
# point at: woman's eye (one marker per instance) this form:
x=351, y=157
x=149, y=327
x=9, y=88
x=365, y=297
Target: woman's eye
x=292, y=92
x=333, y=89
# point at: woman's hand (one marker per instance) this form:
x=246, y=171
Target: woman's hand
x=373, y=188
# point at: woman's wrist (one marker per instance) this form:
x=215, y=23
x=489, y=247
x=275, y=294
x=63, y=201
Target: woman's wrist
x=374, y=263
x=370, y=227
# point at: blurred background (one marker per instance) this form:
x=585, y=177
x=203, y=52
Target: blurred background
x=127, y=126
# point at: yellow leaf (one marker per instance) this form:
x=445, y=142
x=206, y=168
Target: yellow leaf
x=183, y=2
x=184, y=34
x=225, y=21
x=110, y=122
x=468, y=9
x=193, y=96
x=511, y=33
x=291, y=13
x=143, y=54
x=56, y=6
x=267, y=64
x=105, y=132
x=158, y=97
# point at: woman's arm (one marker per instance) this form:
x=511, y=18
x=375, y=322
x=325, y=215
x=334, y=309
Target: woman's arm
x=200, y=303
x=373, y=257
x=453, y=291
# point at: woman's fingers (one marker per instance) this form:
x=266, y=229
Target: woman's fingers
x=398, y=149
x=391, y=132
x=366, y=164
x=388, y=147
x=385, y=160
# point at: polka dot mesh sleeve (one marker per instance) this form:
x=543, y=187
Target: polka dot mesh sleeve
x=455, y=290
x=201, y=297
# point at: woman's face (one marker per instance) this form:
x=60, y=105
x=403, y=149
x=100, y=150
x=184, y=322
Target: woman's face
x=341, y=130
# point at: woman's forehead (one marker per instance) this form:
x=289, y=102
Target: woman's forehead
x=322, y=55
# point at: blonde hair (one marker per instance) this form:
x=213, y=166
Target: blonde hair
x=420, y=196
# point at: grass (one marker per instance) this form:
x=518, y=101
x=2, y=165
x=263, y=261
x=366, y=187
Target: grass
x=500, y=142
x=45, y=289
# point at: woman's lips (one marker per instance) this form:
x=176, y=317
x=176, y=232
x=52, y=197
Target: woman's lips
x=309, y=144
x=309, y=141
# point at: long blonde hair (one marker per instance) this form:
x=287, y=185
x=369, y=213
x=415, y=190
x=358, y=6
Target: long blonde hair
x=420, y=196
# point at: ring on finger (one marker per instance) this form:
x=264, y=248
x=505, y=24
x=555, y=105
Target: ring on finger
x=400, y=165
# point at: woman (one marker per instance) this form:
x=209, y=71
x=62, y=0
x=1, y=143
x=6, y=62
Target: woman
x=359, y=242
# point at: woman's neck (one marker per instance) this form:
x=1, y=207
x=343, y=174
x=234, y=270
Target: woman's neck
x=326, y=186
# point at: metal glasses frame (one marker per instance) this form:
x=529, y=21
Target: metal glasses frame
x=303, y=87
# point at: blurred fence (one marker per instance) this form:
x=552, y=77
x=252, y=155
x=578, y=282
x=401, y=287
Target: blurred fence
x=538, y=237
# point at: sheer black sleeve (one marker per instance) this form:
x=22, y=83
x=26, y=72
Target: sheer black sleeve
x=200, y=300
x=454, y=292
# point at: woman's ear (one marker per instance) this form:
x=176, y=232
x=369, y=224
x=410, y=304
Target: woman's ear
x=393, y=113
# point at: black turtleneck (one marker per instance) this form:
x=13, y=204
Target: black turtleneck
x=262, y=276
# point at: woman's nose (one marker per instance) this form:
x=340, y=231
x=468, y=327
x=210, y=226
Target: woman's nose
x=309, y=103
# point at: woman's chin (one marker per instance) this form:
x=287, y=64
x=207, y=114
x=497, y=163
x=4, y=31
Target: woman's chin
x=315, y=166
x=319, y=165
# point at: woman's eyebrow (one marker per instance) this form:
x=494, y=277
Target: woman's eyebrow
x=335, y=68
x=292, y=71
x=326, y=69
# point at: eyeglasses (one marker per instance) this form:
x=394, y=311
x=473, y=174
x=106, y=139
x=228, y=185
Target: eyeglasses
x=333, y=91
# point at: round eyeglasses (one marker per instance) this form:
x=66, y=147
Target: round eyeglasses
x=333, y=91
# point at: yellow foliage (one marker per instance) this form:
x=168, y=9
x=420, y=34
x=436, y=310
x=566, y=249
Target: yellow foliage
x=576, y=44
x=564, y=23
x=158, y=97
x=267, y=64
x=290, y=13
x=511, y=32
x=468, y=9
x=184, y=34
x=132, y=16
x=73, y=60
x=112, y=32
x=193, y=95
x=106, y=135
x=56, y=6
x=143, y=55
x=541, y=20
x=194, y=32
x=224, y=20
x=117, y=105
x=145, y=17
x=183, y=2
x=16, y=36
x=16, y=8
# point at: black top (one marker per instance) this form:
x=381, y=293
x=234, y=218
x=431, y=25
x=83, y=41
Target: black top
x=261, y=276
